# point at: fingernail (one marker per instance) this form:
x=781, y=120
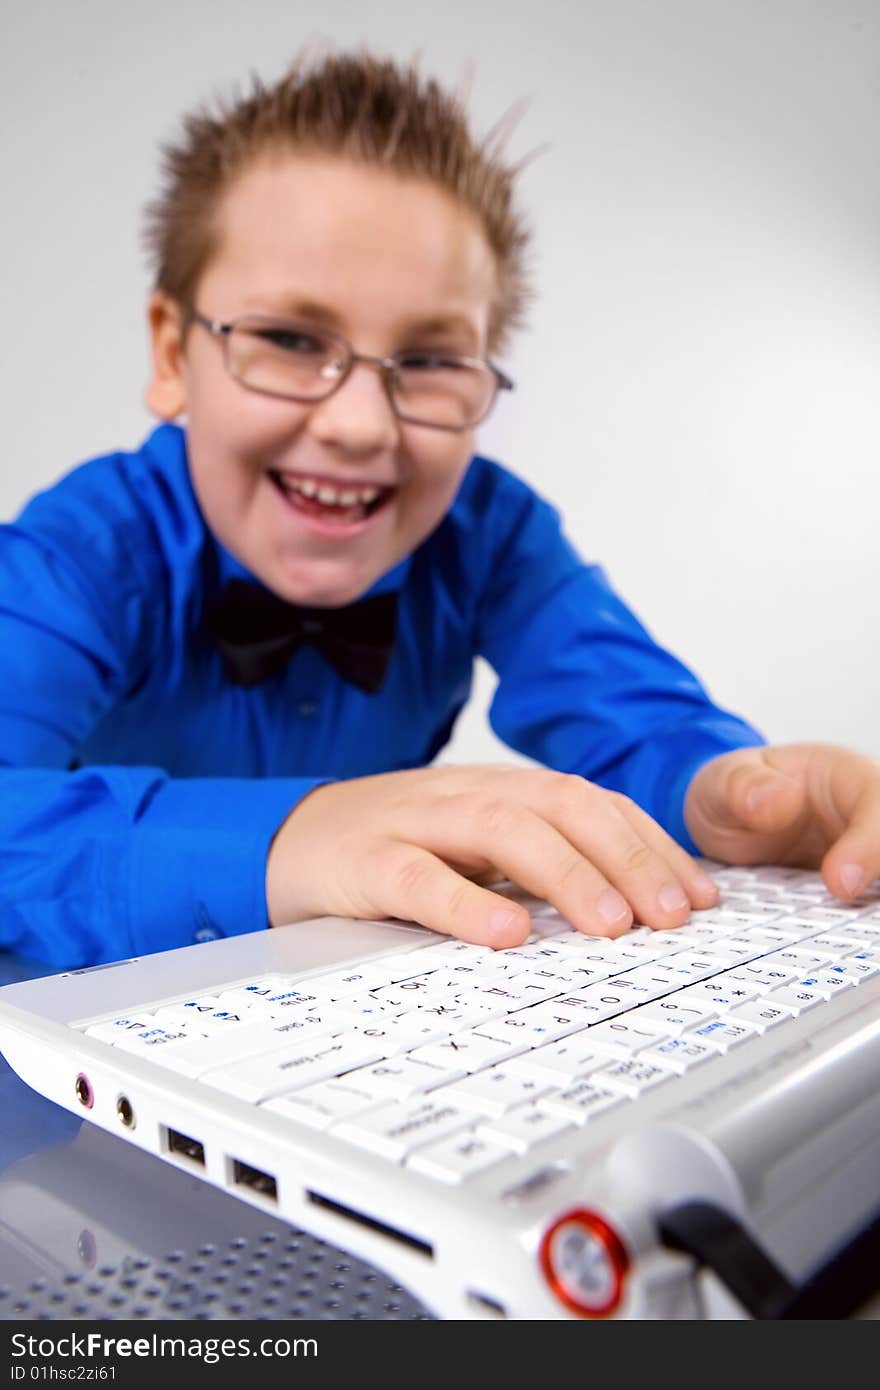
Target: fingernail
x=761, y=792
x=852, y=878
x=501, y=921
x=757, y=795
x=611, y=907
x=671, y=898
x=704, y=884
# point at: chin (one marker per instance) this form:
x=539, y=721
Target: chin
x=316, y=593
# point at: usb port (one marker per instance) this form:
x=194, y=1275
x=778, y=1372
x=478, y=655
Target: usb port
x=243, y=1175
x=185, y=1146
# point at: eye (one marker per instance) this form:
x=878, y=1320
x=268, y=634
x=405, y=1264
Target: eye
x=293, y=340
x=429, y=362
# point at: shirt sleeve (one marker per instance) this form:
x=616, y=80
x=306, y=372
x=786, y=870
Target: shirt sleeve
x=583, y=687
x=106, y=862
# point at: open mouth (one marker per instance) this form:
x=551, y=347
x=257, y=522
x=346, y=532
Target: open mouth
x=343, y=504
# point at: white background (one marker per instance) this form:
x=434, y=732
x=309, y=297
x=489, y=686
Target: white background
x=697, y=389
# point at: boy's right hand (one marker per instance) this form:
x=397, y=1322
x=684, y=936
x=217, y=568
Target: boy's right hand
x=411, y=845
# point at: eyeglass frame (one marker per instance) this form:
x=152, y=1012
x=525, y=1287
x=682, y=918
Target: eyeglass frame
x=386, y=366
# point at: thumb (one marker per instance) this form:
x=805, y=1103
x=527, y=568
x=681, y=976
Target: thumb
x=764, y=799
x=741, y=809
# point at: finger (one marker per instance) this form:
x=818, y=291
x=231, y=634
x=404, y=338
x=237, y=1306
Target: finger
x=853, y=861
x=414, y=885
x=699, y=886
x=530, y=852
x=591, y=864
x=754, y=796
x=643, y=868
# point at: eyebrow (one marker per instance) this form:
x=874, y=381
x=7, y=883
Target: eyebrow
x=316, y=312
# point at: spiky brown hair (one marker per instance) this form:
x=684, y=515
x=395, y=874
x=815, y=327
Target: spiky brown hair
x=371, y=110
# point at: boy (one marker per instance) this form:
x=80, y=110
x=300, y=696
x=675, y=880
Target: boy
x=200, y=735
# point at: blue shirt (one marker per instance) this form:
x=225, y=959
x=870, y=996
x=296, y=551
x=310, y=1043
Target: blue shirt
x=140, y=790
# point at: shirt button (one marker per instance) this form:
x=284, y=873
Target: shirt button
x=307, y=708
x=206, y=934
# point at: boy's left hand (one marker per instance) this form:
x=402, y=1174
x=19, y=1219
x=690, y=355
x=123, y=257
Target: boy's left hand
x=808, y=804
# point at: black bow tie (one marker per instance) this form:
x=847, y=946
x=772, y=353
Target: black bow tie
x=257, y=633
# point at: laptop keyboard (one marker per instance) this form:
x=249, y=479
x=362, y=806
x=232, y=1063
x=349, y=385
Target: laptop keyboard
x=451, y=1058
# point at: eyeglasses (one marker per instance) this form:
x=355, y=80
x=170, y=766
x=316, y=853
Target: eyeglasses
x=300, y=362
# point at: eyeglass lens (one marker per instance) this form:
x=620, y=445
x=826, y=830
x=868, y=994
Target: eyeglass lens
x=302, y=362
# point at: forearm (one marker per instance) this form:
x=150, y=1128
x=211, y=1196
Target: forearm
x=110, y=862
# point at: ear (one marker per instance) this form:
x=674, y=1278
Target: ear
x=165, y=394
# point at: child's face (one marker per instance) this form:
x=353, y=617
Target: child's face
x=393, y=264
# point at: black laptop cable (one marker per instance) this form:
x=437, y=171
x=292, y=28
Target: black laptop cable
x=722, y=1244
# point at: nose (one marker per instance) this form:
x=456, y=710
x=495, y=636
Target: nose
x=358, y=417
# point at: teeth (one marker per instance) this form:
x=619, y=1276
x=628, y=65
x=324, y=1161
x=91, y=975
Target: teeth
x=327, y=494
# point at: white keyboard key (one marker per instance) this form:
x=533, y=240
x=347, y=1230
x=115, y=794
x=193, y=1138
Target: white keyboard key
x=451, y=980
x=722, y=1034
x=681, y=1054
x=393, y=1035
x=493, y=1092
x=603, y=951
x=150, y=1040
x=795, y=998
x=402, y=1076
x=468, y=1001
x=539, y=1024
x=288, y=1001
x=625, y=1035
x=632, y=1076
x=465, y=1010
x=342, y=984
x=596, y=1002
x=190, y=1011
x=558, y=1062
x=788, y=931
x=762, y=1014
x=409, y=963
x=828, y=983
x=861, y=964
x=465, y=1052
x=359, y=1008
x=201, y=1054
x=507, y=996
x=406, y=964
x=526, y=1128
x=675, y=1015
x=319, y=1106
x=498, y=1047
x=690, y=967
x=796, y=958
x=651, y=981
x=833, y=945
x=583, y=972
x=260, y=1078
x=113, y=1029
x=760, y=977
x=396, y=1130
x=721, y=993
x=250, y=998
x=456, y=1159
x=582, y=1100
x=535, y=988
x=828, y=916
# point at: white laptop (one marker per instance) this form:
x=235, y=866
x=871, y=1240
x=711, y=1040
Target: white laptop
x=680, y=1124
